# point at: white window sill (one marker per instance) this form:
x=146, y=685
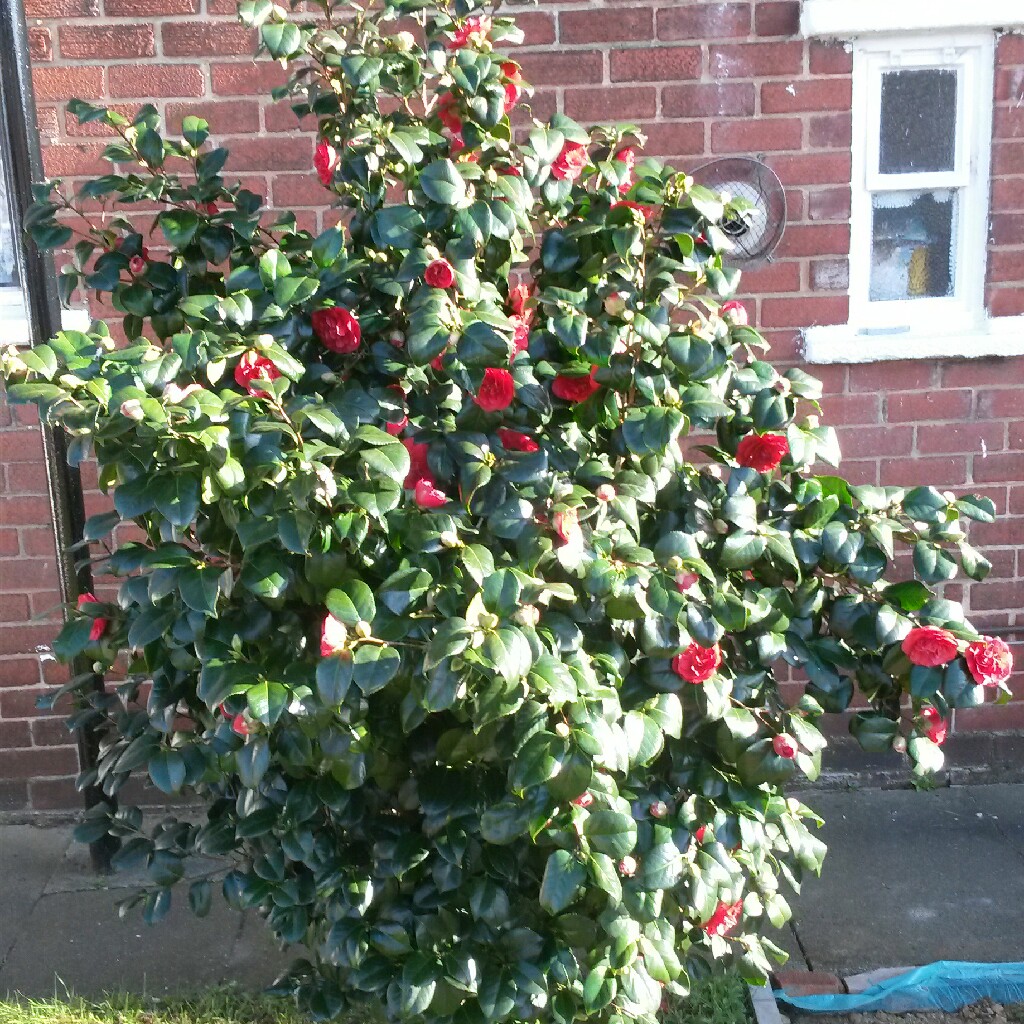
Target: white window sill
x=14, y=329
x=1003, y=336
x=845, y=19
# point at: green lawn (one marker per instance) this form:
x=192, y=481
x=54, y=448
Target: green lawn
x=714, y=1001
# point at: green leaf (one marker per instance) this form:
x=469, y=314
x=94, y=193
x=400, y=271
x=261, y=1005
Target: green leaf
x=177, y=498
x=352, y=603
x=282, y=39
x=267, y=700
x=333, y=678
x=564, y=873
x=374, y=667
x=742, y=550
x=933, y=565
x=909, y=595
x=652, y=430
x=167, y=770
x=976, y=507
x=925, y=504
x=442, y=182
x=179, y=227
x=611, y=832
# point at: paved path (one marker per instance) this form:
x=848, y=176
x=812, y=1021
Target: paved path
x=910, y=878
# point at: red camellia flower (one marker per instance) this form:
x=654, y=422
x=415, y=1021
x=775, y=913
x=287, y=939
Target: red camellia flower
x=251, y=369
x=762, y=452
x=239, y=725
x=439, y=274
x=685, y=581
x=700, y=833
x=697, y=664
x=935, y=725
x=520, y=336
x=325, y=160
x=445, y=111
x=567, y=526
x=630, y=204
x=473, y=31
x=724, y=919
x=584, y=799
x=419, y=467
x=333, y=635
x=569, y=164
x=575, y=389
x=735, y=312
x=929, y=646
x=785, y=746
x=496, y=390
x=627, y=156
x=137, y=265
x=989, y=660
x=428, y=496
x=99, y=626
x=337, y=329
x=516, y=442
x=517, y=299
x=513, y=84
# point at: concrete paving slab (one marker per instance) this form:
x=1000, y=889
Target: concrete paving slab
x=915, y=877
x=257, y=960
x=29, y=857
x=76, y=942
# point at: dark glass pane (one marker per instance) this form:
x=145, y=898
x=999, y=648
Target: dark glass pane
x=912, y=254
x=918, y=131
x=8, y=266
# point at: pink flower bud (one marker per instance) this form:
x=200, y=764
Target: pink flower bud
x=397, y=338
x=137, y=265
x=239, y=725
x=584, y=799
x=784, y=745
x=605, y=492
x=133, y=409
x=659, y=809
x=627, y=866
x=686, y=581
x=615, y=304
x=735, y=313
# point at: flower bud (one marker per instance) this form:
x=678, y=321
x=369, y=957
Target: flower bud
x=488, y=620
x=137, y=265
x=785, y=746
x=615, y=304
x=132, y=408
x=450, y=539
x=949, y=496
x=397, y=338
x=562, y=729
x=813, y=421
x=720, y=526
x=659, y=809
x=900, y=744
x=627, y=866
x=674, y=564
x=527, y=615
x=584, y=799
x=783, y=386
x=363, y=630
x=605, y=492
x=686, y=581
x=404, y=41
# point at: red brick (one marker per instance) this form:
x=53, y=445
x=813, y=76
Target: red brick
x=608, y=26
x=13, y=795
x=51, y=732
x=196, y=39
x=13, y=607
x=19, y=672
x=910, y=406
x=698, y=22
x=999, y=594
x=273, y=153
x=716, y=99
x=65, y=83
x=777, y=277
x=806, y=983
x=1005, y=301
x=37, y=761
x=147, y=80
x=19, y=508
x=960, y=436
x=60, y=8
x=22, y=638
x=777, y=19
x=830, y=275
x=53, y=795
x=913, y=375
x=14, y=734
x=87, y=42
x=538, y=28
x=813, y=168
x=40, y=45
x=1009, y=84
x=21, y=703
x=875, y=442
x=991, y=717
x=851, y=409
x=289, y=191
x=675, y=139
x=279, y=117
x=1007, y=195
x=9, y=541
x=770, y=134
x=806, y=94
x=829, y=204
x=1001, y=404
x=1011, y=49
x=805, y=311
x=1006, y=265
x=998, y=468
x=577, y=68
x=1006, y=228
x=47, y=122
x=620, y=104
x=830, y=59
x=225, y=116
x=148, y=8
x=756, y=60
x=656, y=64
x=831, y=131
x=815, y=240
x=247, y=79
x=1007, y=158
x=945, y=471
x=38, y=541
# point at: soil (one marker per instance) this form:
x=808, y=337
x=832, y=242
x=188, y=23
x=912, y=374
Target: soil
x=985, y=1012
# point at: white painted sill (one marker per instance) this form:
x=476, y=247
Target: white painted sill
x=846, y=19
x=1002, y=336
x=14, y=328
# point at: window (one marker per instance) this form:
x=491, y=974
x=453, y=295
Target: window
x=923, y=129
x=11, y=305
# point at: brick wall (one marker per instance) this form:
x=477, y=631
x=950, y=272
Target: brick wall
x=702, y=79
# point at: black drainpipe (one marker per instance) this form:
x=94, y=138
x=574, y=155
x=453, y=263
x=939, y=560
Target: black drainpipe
x=20, y=136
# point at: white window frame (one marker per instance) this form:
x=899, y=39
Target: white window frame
x=954, y=326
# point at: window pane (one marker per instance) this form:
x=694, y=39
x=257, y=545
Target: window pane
x=8, y=266
x=918, y=130
x=912, y=254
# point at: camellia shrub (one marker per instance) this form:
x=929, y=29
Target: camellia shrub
x=471, y=542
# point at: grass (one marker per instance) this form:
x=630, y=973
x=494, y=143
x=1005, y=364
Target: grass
x=713, y=1001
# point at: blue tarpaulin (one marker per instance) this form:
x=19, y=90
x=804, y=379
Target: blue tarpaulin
x=946, y=985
